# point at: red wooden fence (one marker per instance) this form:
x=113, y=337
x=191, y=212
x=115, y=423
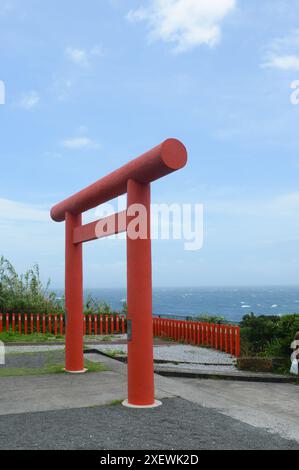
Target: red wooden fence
x=24, y=324
x=224, y=338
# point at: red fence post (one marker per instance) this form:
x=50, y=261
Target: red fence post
x=203, y=333
x=25, y=323
x=216, y=336
x=212, y=335
x=237, y=340
x=55, y=325
x=187, y=332
x=112, y=324
x=84, y=325
x=44, y=324
x=20, y=323
x=50, y=324
x=106, y=325
x=7, y=322
x=178, y=330
x=208, y=333
x=95, y=322
x=61, y=324
x=175, y=330
x=226, y=338
x=123, y=327
x=117, y=324
x=13, y=322
x=89, y=325
x=101, y=324
x=38, y=323
x=198, y=334
x=31, y=323
x=221, y=338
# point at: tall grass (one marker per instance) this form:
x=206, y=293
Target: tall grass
x=25, y=293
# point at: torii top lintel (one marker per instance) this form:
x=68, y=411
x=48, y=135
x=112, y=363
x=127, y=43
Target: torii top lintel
x=166, y=158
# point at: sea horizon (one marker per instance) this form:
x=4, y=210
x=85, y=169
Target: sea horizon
x=230, y=302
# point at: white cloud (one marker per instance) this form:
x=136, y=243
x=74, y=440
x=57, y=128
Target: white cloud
x=283, y=53
x=18, y=211
x=77, y=143
x=82, y=57
x=186, y=23
x=78, y=56
x=288, y=62
x=29, y=100
x=283, y=205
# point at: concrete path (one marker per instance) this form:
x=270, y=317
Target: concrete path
x=270, y=406
x=56, y=392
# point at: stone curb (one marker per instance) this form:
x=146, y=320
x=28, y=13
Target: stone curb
x=184, y=373
x=188, y=374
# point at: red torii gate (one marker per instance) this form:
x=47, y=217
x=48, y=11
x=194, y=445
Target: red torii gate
x=134, y=178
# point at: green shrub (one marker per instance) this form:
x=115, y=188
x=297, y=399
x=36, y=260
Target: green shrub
x=95, y=307
x=268, y=335
x=208, y=319
x=25, y=293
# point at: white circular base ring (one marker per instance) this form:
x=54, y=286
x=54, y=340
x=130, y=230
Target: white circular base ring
x=75, y=371
x=154, y=405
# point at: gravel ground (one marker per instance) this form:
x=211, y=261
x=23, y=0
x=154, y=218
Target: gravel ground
x=180, y=352
x=174, y=352
x=178, y=424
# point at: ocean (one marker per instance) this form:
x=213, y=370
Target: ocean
x=229, y=302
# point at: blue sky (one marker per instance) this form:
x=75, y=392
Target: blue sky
x=90, y=85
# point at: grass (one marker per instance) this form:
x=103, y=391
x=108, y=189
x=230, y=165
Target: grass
x=49, y=369
x=10, y=337
x=51, y=366
x=115, y=402
x=115, y=352
x=38, y=338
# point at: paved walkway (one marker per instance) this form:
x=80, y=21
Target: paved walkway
x=69, y=411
